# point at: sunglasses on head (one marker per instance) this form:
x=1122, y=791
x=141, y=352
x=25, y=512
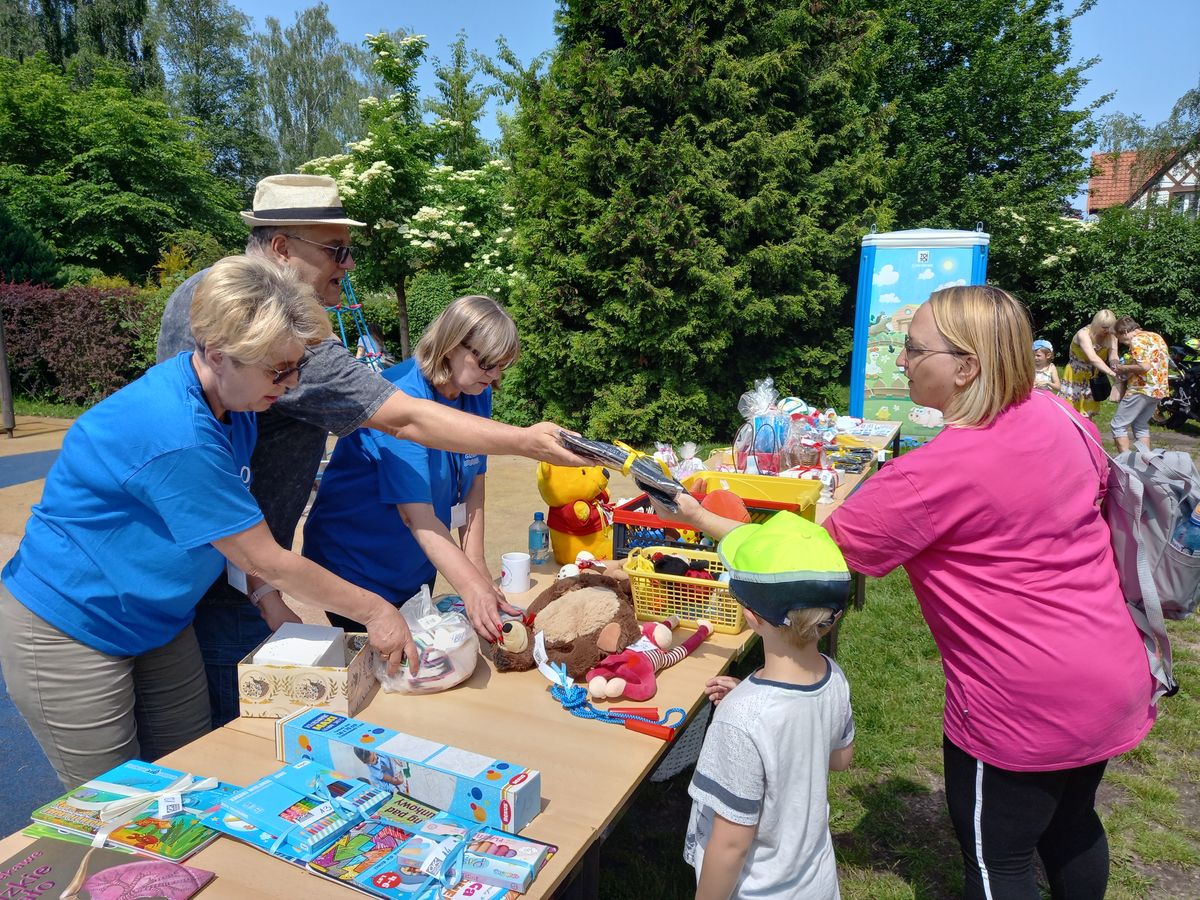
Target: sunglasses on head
x=339, y=252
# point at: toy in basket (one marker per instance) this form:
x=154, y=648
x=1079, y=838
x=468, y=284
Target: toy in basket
x=657, y=595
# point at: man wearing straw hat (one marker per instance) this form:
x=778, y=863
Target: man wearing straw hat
x=298, y=221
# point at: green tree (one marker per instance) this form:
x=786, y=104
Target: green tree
x=90, y=32
x=983, y=117
x=691, y=183
x=104, y=175
x=309, y=86
x=18, y=29
x=23, y=255
x=459, y=104
x=205, y=47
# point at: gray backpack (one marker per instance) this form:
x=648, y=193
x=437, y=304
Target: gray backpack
x=1149, y=493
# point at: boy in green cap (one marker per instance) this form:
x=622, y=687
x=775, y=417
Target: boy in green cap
x=759, y=825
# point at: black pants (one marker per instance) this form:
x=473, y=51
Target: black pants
x=1002, y=817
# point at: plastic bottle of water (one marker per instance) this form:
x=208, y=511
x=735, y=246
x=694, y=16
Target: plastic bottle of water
x=1186, y=536
x=539, y=540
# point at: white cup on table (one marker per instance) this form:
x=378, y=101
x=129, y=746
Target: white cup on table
x=514, y=573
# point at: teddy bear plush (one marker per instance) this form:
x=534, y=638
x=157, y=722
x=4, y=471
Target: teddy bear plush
x=578, y=519
x=582, y=619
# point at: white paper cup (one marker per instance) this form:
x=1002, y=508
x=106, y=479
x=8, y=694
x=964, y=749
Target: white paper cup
x=514, y=572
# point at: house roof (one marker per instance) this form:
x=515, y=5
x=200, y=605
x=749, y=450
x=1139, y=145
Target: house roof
x=1117, y=181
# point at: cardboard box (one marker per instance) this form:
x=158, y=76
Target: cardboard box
x=300, y=644
x=274, y=691
x=477, y=788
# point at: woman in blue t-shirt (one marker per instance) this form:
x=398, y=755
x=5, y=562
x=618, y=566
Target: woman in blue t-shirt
x=386, y=507
x=144, y=506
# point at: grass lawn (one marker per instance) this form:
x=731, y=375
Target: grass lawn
x=887, y=813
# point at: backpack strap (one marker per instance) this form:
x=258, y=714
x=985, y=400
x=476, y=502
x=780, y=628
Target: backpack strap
x=1147, y=613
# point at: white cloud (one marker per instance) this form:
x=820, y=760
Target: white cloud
x=925, y=275
x=885, y=276
x=889, y=298
x=958, y=282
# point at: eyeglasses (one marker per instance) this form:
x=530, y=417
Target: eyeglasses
x=484, y=364
x=278, y=376
x=339, y=252
x=912, y=349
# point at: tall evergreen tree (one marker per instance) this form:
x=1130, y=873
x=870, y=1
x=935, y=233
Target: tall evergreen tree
x=459, y=103
x=692, y=180
x=983, y=118
x=205, y=47
x=23, y=255
x=309, y=84
x=90, y=32
x=18, y=29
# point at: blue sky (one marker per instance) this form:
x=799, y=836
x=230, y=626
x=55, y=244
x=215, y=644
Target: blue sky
x=1142, y=44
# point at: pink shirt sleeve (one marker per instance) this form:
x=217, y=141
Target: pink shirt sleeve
x=883, y=524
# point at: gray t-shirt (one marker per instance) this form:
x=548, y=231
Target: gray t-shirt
x=337, y=393
x=765, y=761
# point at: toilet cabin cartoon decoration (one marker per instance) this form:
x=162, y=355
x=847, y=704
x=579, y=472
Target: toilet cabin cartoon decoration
x=898, y=270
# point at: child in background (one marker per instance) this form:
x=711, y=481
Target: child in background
x=759, y=824
x=1045, y=372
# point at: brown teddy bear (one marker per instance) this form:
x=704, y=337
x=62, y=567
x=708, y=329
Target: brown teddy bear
x=583, y=619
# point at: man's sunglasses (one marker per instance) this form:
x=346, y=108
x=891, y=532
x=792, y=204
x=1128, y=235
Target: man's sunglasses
x=339, y=252
x=278, y=376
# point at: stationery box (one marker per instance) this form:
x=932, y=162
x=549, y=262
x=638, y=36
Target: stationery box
x=477, y=788
x=273, y=691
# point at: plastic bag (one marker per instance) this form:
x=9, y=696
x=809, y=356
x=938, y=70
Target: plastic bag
x=448, y=644
x=688, y=465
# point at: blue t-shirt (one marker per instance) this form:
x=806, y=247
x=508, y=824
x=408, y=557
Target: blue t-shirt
x=354, y=528
x=119, y=550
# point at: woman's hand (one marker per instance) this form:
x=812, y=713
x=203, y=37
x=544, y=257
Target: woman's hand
x=484, y=604
x=275, y=612
x=690, y=512
x=389, y=634
x=716, y=688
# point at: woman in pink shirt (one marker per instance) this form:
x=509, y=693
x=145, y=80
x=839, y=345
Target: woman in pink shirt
x=997, y=522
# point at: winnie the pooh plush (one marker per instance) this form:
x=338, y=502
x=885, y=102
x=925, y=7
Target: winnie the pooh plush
x=577, y=521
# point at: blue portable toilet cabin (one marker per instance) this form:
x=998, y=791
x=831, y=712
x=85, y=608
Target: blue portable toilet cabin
x=898, y=270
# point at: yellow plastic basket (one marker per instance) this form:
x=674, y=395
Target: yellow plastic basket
x=657, y=596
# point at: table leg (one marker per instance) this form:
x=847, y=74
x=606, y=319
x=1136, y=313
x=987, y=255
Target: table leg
x=585, y=880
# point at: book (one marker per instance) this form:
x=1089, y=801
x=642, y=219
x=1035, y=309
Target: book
x=388, y=846
x=77, y=872
x=165, y=825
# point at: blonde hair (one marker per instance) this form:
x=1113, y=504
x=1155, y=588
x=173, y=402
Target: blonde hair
x=247, y=305
x=993, y=326
x=1106, y=318
x=476, y=320
x=808, y=625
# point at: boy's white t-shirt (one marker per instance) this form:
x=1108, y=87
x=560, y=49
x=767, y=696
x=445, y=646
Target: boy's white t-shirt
x=766, y=760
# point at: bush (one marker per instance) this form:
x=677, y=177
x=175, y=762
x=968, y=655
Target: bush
x=74, y=344
x=428, y=294
x=23, y=255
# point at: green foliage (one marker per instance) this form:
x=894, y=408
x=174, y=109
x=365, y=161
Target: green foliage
x=205, y=48
x=23, y=255
x=103, y=174
x=308, y=78
x=1137, y=263
x=983, y=118
x=692, y=180
x=85, y=37
x=18, y=29
x=459, y=105
x=428, y=294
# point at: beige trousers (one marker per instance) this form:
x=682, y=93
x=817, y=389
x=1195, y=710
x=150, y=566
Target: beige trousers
x=91, y=711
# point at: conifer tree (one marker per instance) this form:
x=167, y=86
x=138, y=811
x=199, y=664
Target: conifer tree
x=692, y=180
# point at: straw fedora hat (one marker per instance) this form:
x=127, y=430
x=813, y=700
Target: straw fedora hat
x=297, y=200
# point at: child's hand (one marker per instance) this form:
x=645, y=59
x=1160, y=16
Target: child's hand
x=716, y=688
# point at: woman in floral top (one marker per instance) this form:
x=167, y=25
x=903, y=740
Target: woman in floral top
x=1147, y=385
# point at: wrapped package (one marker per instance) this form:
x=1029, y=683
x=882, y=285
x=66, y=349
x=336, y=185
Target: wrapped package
x=448, y=644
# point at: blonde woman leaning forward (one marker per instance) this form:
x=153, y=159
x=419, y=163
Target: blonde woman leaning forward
x=400, y=502
x=1046, y=675
x=1093, y=349
x=145, y=505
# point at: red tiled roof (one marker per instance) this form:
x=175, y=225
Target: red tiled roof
x=1116, y=181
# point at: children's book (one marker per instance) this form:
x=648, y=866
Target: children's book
x=146, y=807
x=390, y=847
x=72, y=871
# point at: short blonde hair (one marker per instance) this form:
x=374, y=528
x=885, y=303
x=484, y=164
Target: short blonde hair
x=246, y=306
x=808, y=625
x=1106, y=318
x=475, y=320
x=993, y=326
